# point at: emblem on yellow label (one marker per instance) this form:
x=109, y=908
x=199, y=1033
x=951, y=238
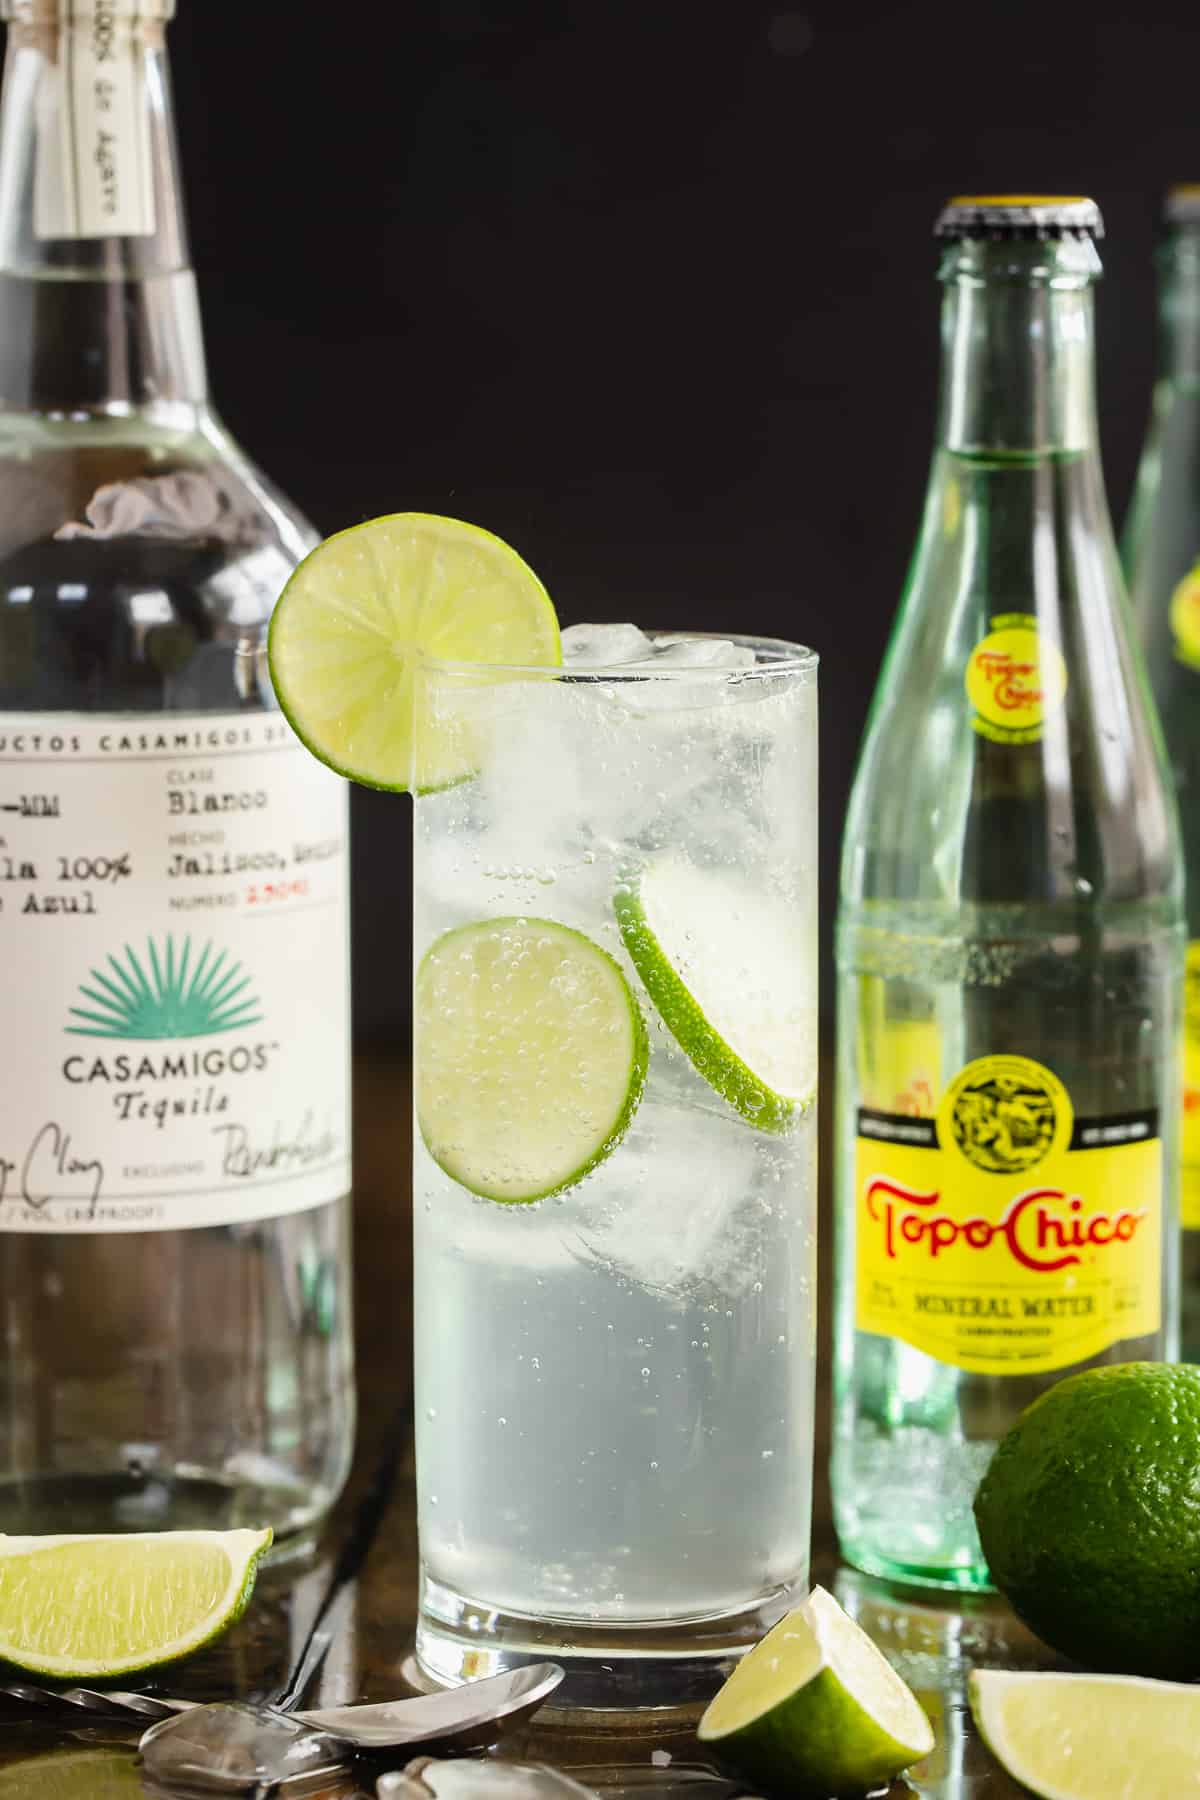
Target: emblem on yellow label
x=1185, y=618
x=1015, y=679
x=1007, y=1234
x=1005, y=1113
x=1189, y=1206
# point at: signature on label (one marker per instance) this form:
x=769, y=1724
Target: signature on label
x=51, y=1169
x=283, y=1153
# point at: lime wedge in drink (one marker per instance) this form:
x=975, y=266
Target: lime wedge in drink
x=358, y=613
x=94, y=1608
x=1090, y=1737
x=816, y=1709
x=531, y=1056
x=726, y=966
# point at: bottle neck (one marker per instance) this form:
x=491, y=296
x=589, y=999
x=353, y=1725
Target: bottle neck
x=1017, y=371
x=98, y=309
x=1179, y=305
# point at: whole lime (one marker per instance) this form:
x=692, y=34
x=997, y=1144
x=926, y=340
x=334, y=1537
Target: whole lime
x=1089, y=1517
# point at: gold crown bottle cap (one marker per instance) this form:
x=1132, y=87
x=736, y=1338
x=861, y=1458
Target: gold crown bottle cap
x=1019, y=216
x=1183, y=203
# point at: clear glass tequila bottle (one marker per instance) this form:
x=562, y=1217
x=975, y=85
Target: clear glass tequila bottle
x=1010, y=931
x=174, y=1226
x=1161, y=549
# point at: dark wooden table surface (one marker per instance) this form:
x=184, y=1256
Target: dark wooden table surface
x=933, y=1639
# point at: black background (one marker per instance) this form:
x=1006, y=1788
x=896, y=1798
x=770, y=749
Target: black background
x=647, y=290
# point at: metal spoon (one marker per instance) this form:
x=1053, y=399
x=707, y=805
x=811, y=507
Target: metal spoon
x=509, y=1698
x=235, y=1749
x=465, y=1717
x=483, y=1778
x=480, y=1780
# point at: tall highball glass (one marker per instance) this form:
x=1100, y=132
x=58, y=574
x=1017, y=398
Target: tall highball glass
x=614, y=1184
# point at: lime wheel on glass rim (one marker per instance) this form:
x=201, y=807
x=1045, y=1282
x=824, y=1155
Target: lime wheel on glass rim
x=359, y=612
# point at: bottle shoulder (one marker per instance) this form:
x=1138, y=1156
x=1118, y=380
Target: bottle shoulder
x=261, y=495
x=59, y=462
x=1162, y=546
x=1011, y=751
x=140, y=559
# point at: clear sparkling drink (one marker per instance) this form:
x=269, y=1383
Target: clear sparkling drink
x=1009, y=933
x=614, y=1381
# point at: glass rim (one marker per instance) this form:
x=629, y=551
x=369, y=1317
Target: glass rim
x=782, y=658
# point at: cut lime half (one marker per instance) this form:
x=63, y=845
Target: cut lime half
x=361, y=610
x=1090, y=1737
x=531, y=1056
x=729, y=969
x=816, y=1709
x=94, y=1608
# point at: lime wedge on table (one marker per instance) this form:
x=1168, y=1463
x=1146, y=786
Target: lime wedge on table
x=727, y=967
x=816, y=1709
x=93, y=1608
x=531, y=1056
x=352, y=623
x=1090, y=1737
x=74, y=1775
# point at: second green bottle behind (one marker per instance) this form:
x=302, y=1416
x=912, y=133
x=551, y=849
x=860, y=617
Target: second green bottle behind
x=1162, y=559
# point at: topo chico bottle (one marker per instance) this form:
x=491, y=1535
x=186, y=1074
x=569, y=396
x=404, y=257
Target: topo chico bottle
x=1010, y=931
x=174, y=1155
x=1162, y=561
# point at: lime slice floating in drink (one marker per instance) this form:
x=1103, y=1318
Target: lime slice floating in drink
x=816, y=1709
x=94, y=1608
x=726, y=966
x=1090, y=1737
x=360, y=610
x=531, y=1056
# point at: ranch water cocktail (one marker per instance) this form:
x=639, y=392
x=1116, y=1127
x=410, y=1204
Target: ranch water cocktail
x=614, y=1181
x=615, y=1126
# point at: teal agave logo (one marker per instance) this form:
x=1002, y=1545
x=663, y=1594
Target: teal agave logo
x=165, y=996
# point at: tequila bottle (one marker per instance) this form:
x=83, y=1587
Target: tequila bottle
x=1010, y=931
x=1162, y=560
x=174, y=1231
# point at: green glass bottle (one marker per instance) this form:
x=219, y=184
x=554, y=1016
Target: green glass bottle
x=1010, y=933
x=1161, y=549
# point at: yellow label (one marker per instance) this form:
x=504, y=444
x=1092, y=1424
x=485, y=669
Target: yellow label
x=1015, y=678
x=1189, y=1204
x=1006, y=1235
x=1185, y=618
